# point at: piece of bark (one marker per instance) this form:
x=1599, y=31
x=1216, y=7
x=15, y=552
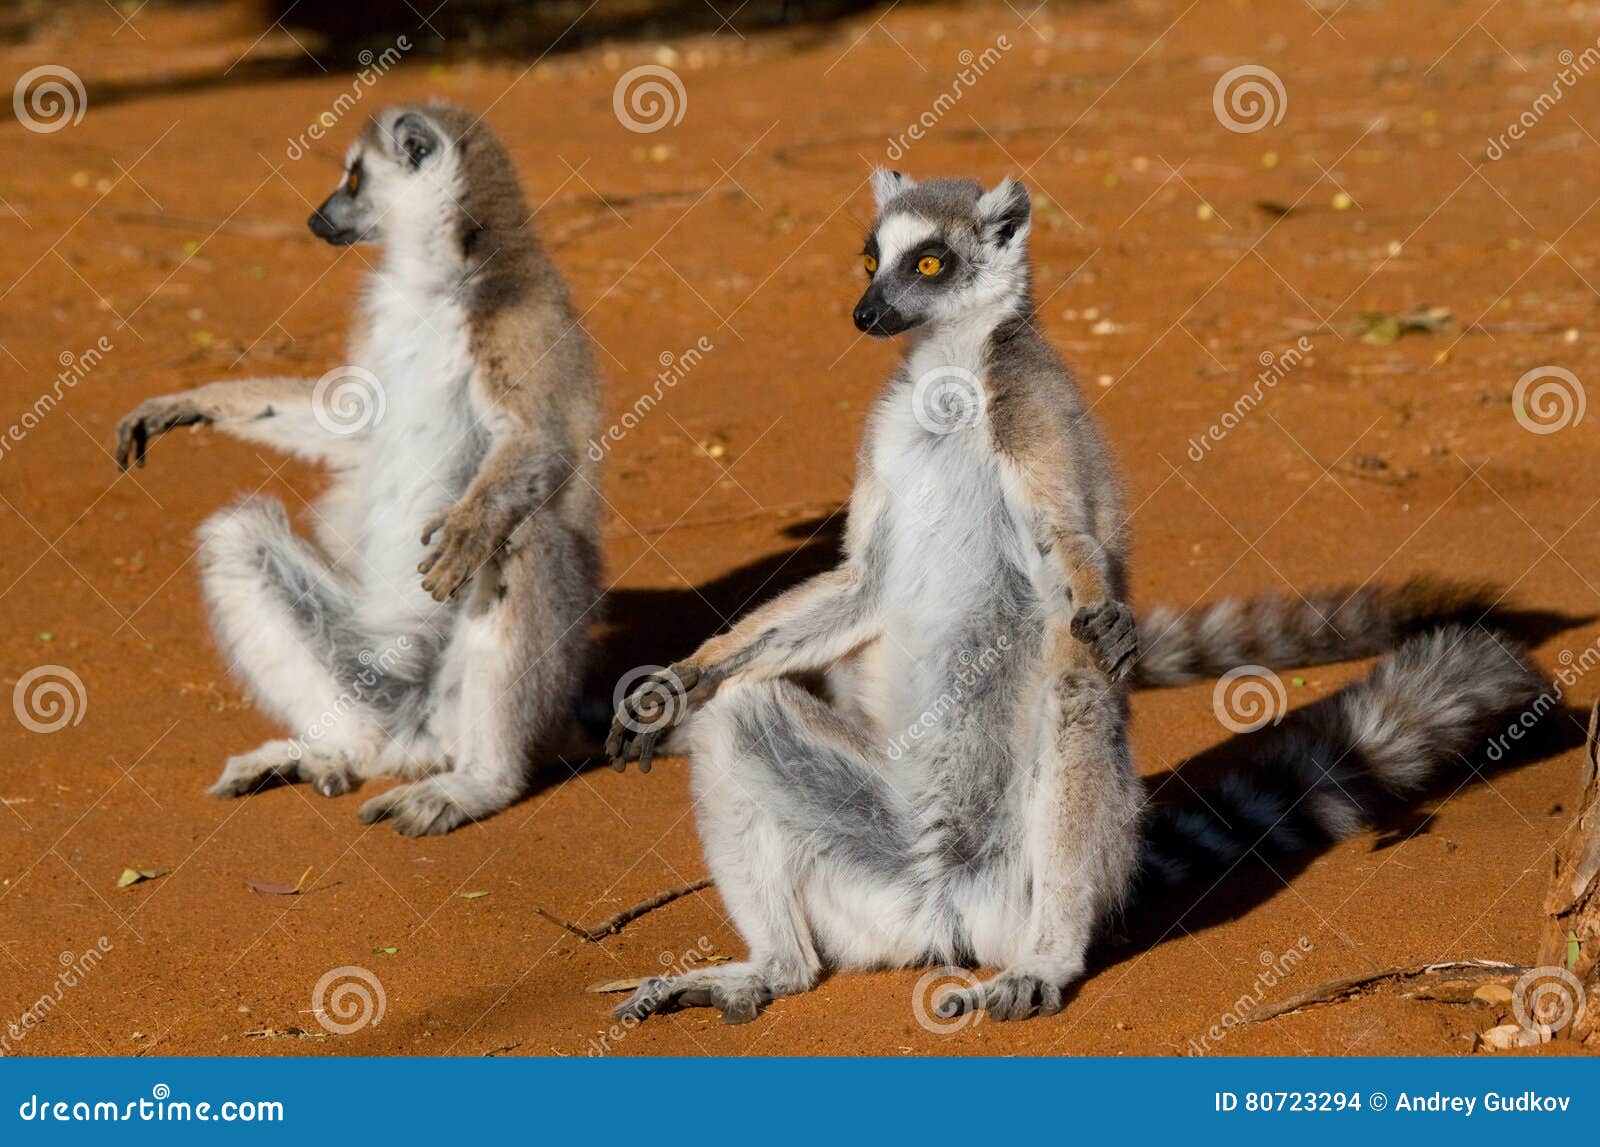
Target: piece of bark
x=1571, y=938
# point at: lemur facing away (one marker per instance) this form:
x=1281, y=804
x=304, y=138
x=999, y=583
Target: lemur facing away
x=437, y=630
x=966, y=793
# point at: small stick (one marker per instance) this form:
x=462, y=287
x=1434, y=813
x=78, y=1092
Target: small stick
x=1335, y=990
x=615, y=924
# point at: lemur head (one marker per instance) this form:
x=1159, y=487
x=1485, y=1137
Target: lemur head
x=943, y=250
x=430, y=174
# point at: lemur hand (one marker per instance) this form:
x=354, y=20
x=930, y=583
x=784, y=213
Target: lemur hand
x=654, y=704
x=470, y=533
x=1111, y=633
x=150, y=419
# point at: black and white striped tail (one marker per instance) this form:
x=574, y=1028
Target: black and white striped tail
x=1332, y=766
x=1288, y=630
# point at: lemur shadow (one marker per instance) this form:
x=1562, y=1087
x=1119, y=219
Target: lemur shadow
x=1213, y=901
x=349, y=36
x=660, y=626
x=655, y=627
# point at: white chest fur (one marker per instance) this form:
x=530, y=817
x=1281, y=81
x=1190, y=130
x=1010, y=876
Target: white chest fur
x=428, y=440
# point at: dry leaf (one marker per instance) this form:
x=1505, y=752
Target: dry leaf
x=1382, y=327
x=1493, y=994
x=271, y=888
x=132, y=876
x=473, y=895
x=616, y=985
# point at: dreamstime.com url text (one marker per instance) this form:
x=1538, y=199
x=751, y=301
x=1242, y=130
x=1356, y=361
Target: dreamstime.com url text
x=159, y=1107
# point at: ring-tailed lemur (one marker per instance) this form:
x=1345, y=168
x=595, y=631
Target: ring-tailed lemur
x=457, y=442
x=967, y=795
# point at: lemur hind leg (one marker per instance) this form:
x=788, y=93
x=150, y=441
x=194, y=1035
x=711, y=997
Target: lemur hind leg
x=1081, y=838
x=283, y=620
x=796, y=823
x=507, y=681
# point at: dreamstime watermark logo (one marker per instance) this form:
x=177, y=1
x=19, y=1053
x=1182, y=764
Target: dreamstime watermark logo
x=673, y=966
x=372, y=69
x=649, y=699
x=49, y=98
x=1248, y=698
x=1573, y=68
x=973, y=68
x=649, y=98
x=1573, y=667
x=1546, y=1000
x=1249, y=98
x=75, y=967
x=1274, y=369
x=1548, y=399
x=373, y=671
x=74, y=369
x=674, y=369
x=970, y=670
x=936, y=1004
x=348, y=400
x=1274, y=970
x=947, y=399
x=348, y=999
x=48, y=698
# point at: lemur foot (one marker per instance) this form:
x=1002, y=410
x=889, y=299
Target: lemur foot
x=1110, y=631
x=1012, y=995
x=426, y=808
x=738, y=991
x=330, y=773
x=469, y=536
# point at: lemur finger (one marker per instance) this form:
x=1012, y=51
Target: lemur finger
x=435, y=555
x=647, y=748
x=141, y=437
x=613, y=748
x=959, y=1002
x=1051, y=999
x=435, y=524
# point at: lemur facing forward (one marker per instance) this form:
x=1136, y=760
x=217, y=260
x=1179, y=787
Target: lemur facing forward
x=437, y=630
x=966, y=793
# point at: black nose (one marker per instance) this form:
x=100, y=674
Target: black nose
x=867, y=316
x=320, y=227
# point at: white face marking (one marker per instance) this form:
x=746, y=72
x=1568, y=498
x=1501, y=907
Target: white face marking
x=902, y=233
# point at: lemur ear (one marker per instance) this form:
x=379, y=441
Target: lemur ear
x=1004, y=212
x=415, y=138
x=887, y=184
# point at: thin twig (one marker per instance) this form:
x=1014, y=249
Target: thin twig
x=1336, y=990
x=622, y=919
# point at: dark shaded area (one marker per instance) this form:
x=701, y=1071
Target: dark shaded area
x=342, y=37
x=660, y=626
x=533, y=27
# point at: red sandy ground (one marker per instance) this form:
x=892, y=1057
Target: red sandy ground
x=1162, y=279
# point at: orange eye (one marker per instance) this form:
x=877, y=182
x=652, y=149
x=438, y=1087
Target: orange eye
x=870, y=263
x=929, y=265
x=352, y=182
